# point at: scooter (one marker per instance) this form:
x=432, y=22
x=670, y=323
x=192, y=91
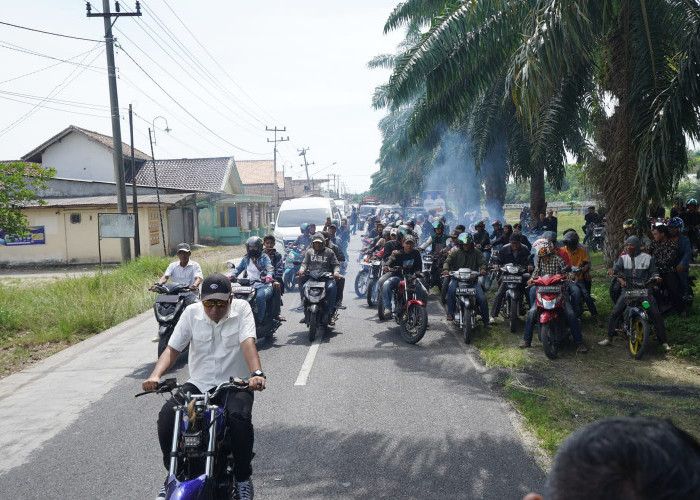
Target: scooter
x=550, y=315
x=199, y=470
x=243, y=289
x=317, y=311
x=168, y=308
x=465, y=296
x=290, y=278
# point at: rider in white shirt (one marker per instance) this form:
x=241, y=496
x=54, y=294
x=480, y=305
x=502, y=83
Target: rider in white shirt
x=184, y=271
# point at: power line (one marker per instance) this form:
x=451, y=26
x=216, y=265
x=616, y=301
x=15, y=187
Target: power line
x=43, y=69
x=63, y=102
x=51, y=33
x=185, y=109
x=219, y=65
x=71, y=111
x=17, y=48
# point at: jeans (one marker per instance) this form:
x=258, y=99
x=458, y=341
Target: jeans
x=578, y=291
x=480, y=298
x=239, y=434
x=391, y=283
x=571, y=319
x=500, y=294
x=653, y=310
x=264, y=294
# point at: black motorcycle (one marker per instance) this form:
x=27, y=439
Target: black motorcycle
x=317, y=311
x=597, y=237
x=373, y=285
x=168, y=308
x=514, y=302
x=243, y=289
x=465, y=297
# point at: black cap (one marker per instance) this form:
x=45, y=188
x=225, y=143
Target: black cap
x=216, y=286
x=183, y=247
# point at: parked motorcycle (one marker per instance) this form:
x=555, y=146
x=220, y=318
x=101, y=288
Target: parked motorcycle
x=597, y=237
x=465, y=296
x=514, y=302
x=290, y=278
x=317, y=310
x=168, y=308
x=550, y=315
x=243, y=289
x=410, y=313
x=199, y=469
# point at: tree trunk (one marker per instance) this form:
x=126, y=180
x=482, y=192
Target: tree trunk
x=495, y=174
x=538, y=203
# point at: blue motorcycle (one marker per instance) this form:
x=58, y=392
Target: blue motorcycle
x=292, y=263
x=198, y=468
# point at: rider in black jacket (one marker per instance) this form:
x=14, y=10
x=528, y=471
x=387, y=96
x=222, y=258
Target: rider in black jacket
x=513, y=253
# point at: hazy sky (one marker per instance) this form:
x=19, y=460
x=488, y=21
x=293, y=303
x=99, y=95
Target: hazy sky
x=299, y=64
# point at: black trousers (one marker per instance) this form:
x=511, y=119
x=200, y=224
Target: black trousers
x=239, y=433
x=672, y=283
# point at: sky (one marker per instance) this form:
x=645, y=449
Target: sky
x=216, y=73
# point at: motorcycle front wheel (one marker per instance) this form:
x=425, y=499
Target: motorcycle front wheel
x=466, y=326
x=313, y=326
x=413, y=323
x=361, y=282
x=514, y=308
x=639, y=336
x=549, y=341
x=372, y=292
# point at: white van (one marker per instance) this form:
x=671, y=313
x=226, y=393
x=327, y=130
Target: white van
x=293, y=213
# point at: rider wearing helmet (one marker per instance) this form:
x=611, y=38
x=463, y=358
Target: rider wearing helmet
x=591, y=219
x=549, y=263
x=675, y=230
x=408, y=258
x=304, y=240
x=497, y=231
x=257, y=266
x=438, y=238
x=482, y=242
x=466, y=256
x=512, y=253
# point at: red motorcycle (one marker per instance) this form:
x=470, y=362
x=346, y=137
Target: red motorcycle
x=410, y=313
x=550, y=315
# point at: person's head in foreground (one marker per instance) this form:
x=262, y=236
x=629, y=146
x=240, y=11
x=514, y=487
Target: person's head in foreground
x=631, y=458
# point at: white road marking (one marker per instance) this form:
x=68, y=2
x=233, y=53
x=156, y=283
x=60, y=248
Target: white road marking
x=309, y=361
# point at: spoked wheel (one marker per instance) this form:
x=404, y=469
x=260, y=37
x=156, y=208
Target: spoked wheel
x=490, y=279
x=514, y=308
x=313, y=326
x=639, y=336
x=414, y=323
x=549, y=343
x=467, y=326
x=372, y=292
x=361, y=283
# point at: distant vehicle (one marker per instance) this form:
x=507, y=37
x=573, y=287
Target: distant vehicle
x=294, y=212
x=344, y=207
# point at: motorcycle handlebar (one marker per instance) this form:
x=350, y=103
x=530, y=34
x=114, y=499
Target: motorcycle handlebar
x=170, y=384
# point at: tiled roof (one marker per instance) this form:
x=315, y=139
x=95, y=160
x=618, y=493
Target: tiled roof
x=192, y=174
x=258, y=172
x=167, y=199
x=105, y=140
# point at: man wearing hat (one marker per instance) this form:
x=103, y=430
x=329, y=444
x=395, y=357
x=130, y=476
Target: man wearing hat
x=184, y=271
x=221, y=335
x=319, y=258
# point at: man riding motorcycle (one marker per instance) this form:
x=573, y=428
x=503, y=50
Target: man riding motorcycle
x=512, y=253
x=184, y=271
x=409, y=259
x=257, y=266
x=438, y=240
x=640, y=267
x=304, y=239
x=550, y=263
x=466, y=256
x=320, y=258
x=591, y=219
x=497, y=232
x=340, y=282
x=220, y=333
x=482, y=242
x=277, y=261
x=579, y=290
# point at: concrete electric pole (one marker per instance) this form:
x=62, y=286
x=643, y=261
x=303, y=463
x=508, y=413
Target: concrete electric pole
x=107, y=16
x=276, y=195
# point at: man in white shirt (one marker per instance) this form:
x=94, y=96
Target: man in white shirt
x=221, y=335
x=185, y=271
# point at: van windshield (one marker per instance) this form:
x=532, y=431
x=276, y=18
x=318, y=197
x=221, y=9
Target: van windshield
x=291, y=218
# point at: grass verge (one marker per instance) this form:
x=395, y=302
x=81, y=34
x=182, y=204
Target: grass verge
x=39, y=320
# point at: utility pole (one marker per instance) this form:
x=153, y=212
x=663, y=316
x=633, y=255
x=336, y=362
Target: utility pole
x=276, y=195
x=134, y=201
x=302, y=152
x=114, y=106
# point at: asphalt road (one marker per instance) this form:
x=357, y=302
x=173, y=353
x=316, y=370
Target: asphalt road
x=374, y=418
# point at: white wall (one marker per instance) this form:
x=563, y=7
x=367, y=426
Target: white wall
x=77, y=157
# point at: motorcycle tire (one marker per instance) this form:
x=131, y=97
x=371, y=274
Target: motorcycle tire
x=372, y=292
x=361, y=283
x=289, y=282
x=640, y=331
x=549, y=341
x=514, y=308
x=467, y=326
x=488, y=280
x=313, y=326
x=162, y=343
x=380, y=308
x=413, y=324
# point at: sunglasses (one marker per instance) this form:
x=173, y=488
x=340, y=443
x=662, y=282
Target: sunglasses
x=217, y=303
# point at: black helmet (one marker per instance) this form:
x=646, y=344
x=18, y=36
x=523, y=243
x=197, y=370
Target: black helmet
x=253, y=246
x=570, y=238
x=411, y=223
x=403, y=231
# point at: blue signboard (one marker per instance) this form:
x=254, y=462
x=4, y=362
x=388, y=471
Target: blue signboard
x=35, y=236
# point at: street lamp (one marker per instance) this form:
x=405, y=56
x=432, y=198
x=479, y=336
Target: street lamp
x=152, y=140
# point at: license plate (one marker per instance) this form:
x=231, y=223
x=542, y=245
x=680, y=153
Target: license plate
x=636, y=293
x=316, y=284
x=512, y=278
x=549, y=289
x=242, y=289
x=466, y=291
